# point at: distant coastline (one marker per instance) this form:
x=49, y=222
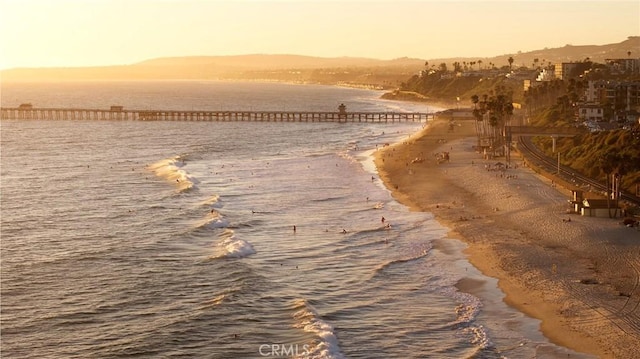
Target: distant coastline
x=409, y=96
x=406, y=96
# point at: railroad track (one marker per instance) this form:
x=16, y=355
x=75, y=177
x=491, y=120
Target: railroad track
x=550, y=165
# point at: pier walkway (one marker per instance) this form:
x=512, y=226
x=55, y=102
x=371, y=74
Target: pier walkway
x=118, y=113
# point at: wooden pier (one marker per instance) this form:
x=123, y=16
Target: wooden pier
x=118, y=113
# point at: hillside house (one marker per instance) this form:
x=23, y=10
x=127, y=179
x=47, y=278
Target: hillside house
x=590, y=112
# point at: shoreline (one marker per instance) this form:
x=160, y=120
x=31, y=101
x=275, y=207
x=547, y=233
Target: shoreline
x=579, y=278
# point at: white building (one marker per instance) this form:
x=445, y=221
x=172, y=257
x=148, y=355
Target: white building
x=545, y=75
x=590, y=113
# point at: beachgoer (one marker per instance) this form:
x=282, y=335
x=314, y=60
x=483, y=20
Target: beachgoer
x=382, y=219
x=294, y=229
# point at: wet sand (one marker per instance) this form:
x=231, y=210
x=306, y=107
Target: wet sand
x=580, y=278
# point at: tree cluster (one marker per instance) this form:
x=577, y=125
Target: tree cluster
x=492, y=114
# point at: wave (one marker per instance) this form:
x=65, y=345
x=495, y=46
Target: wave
x=467, y=310
x=216, y=301
x=325, y=345
x=362, y=246
x=346, y=155
x=212, y=202
x=171, y=170
x=232, y=247
x=328, y=199
x=421, y=253
x=214, y=220
x=364, y=233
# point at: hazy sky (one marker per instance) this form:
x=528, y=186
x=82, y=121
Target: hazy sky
x=35, y=33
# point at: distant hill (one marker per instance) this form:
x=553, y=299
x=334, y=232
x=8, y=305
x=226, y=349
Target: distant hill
x=275, y=62
x=568, y=53
x=212, y=67
x=307, y=68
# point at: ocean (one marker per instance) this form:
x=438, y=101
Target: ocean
x=228, y=239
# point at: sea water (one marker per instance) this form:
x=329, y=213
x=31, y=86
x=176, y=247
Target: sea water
x=177, y=239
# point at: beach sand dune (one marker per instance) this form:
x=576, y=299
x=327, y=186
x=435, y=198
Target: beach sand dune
x=581, y=278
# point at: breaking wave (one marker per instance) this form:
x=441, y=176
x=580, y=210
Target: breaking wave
x=325, y=345
x=172, y=170
x=232, y=247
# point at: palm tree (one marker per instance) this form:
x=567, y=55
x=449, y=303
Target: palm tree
x=479, y=64
x=624, y=163
x=493, y=122
x=510, y=59
x=476, y=113
x=475, y=99
x=606, y=163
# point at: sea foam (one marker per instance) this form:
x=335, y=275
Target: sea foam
x=232, y=247
x=326, y=344
x=171, y=170
x=213, y=220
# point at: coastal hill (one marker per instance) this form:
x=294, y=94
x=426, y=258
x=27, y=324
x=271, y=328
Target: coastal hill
x=567, y=53
x=247, y=67
x=296, y=68
x=262, y=61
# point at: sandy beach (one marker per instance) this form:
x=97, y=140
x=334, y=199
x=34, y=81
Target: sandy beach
x=579, y=277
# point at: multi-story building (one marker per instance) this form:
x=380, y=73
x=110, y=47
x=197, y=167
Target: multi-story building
x=595, y=91
x=620, y=99
x=625, y=95
x=540, y=77
x=623, y=66
x=567, y=70
x=591, y=112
